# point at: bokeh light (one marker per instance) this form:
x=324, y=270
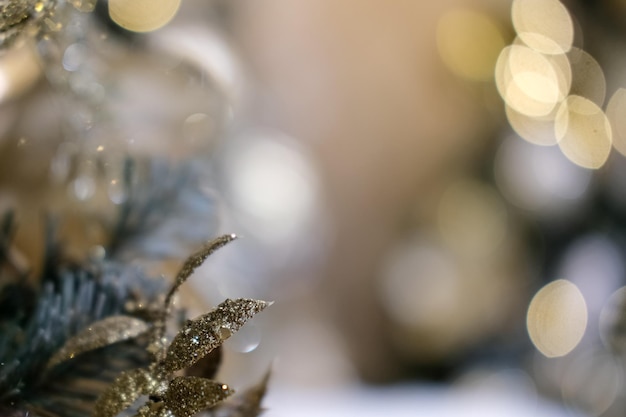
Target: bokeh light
x=469, y=43
x=20, y=68
x=536, y=130
x=544, y=25
x=530, y=82
x=540, y=178
x=588, y=78
x=615, y=111
x=547, y=83
x=557, y=318
x=584, y=132
x=272, y=185
x=143, y=15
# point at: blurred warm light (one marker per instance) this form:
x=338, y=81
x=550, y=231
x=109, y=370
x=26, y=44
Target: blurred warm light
x=469, y=43
x=472, y=218
x=584, y=132
x=143, y=15
x=557, y=318
x=530, y=82
x=544, y=25
x=439, y=301
x=536, y=130
x=615, y=111
x=588, y=79
x=19, y=70
x=539, y=178
x=273, y=186
x=547, y=83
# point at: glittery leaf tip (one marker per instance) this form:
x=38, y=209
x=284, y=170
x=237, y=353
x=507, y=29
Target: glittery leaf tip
x=198, y=258
x=189, y=394
x=99, y=334
x=200, y=336
x=124, y=391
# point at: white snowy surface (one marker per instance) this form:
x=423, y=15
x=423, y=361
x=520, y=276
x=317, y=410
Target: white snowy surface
x=409, y=400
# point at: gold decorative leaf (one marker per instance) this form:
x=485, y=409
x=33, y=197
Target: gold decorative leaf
x=99, y=334
x=154, y=409
x=208, y=366
x=124, y=391
x=200, y=336
x=195, y=260
x=187, y=395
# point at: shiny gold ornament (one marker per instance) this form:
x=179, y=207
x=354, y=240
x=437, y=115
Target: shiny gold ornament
x=169, y=396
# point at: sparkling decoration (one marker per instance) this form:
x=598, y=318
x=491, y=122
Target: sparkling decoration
x=200, y=336
x=41, y=327
x=121, y=331
x=95, y=336
x=187, y=395
x=124, y=391
x=24, y=17
x=180, y=396
x=105, y=332
x=195, y=261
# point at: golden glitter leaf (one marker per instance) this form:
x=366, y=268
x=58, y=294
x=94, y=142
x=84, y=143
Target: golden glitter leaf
x=189, y=394
x=200, y=336
x=124, y=391
x=99, y=334
x=194, y=261
x=12, y=13
x=190, y=265
x=154, y=409
x=208, y=366
x=22, y=17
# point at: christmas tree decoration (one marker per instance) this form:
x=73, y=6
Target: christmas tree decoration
x=92, y=328
x=57, y=340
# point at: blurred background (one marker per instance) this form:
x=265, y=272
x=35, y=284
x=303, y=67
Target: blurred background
x=433, y=194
